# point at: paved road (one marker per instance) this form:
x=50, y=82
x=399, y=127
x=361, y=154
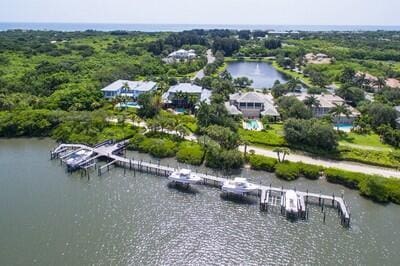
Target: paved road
x=345, y=165
x=210, y=60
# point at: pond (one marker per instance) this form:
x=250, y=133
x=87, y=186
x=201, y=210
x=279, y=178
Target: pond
x=262, y=74
x=50, y=217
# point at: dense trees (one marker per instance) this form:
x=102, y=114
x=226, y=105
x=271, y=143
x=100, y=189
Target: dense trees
x=291, y=107
x=312, y=134
x=272, y=44
x=227, y=45
x=150, y=105
x=381, y=114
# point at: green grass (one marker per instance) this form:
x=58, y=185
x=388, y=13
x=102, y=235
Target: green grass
x=368, y=141
x=271, y=137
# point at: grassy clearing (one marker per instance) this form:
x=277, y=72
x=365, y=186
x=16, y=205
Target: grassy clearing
x=271, y=137
x=368, y=141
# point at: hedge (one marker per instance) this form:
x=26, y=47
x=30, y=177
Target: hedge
x=259, y=162
x=310, y=171
x=378, y=188
x=287, y=171
x=190, y=153
x=159, y=148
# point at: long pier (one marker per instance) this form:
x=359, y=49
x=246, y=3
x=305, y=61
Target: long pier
x=269, y=197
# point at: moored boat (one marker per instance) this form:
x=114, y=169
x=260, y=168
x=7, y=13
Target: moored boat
x=239, y=186
x=184, y=176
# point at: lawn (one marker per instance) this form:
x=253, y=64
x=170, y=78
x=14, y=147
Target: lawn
x=269, y=137
x=366, y=141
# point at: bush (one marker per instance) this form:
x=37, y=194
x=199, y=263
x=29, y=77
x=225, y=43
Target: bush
x=259, y=162
x=191, y=153
x=157, y=147
x=288, y=171
x=374, y=187
x=393, y=187
x=348, y=179
x=310, y=171
x=223, y=159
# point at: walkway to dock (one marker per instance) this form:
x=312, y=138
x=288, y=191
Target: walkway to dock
x=109, y=150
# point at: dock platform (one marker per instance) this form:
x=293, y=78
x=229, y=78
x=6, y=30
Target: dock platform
x=269, y=197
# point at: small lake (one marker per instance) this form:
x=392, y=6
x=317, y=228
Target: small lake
x=262, y=74
x=50, y=217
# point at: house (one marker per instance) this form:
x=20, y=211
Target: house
x=183, y=54
x=326, y=103
x=128, y=88
x=251, y=105
x=176, y=95
x=319, y=58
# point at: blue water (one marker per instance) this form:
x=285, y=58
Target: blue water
x=262, y=74
x=180, y=27
x=252, y=124
x=344, y=127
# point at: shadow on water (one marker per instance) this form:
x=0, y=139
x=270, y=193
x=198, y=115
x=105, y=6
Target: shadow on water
x=238, y=199
x=182, y=188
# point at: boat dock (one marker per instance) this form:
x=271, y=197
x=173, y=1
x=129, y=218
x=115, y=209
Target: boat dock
x=269, y=197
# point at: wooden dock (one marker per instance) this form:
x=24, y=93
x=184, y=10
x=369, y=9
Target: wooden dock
x=270, y=197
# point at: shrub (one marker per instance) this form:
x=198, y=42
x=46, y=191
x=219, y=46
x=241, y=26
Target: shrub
x=223, y=159
x=259, y=162
x=191, y=153
x=348, y=179
x=287, y=171
x=374, y=187
x=159, y=148
x=310, y=171
x=393, y=187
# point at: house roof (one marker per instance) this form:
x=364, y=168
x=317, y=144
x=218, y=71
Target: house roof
x=393, y=83
x=133, y=85
x=251, y=97
x=269, y=111
x=186, y=87
x=232, y=109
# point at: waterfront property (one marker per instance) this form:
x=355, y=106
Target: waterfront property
x=252, y=105
x=269, y=197
x=130, y=89
x=326, y=103
x=185, y=95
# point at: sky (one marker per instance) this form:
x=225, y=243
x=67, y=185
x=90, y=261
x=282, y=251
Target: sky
x=263, y=12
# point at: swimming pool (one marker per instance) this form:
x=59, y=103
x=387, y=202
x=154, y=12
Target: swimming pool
x=128, y=105
x=252, y=125
x=180, y=110
x=344, y=127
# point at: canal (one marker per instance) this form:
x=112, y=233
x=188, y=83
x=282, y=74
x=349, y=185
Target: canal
x=49, y=217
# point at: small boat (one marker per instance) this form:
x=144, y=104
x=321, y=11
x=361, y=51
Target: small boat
x=184, y=176
x=78, y=157
x=291, y=204
x=238, y=186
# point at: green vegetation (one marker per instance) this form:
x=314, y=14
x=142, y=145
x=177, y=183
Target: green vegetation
x=383, y=158
x=377, y=188
x=269, y=137
x=259, y=162
x=366, y=140
x=190, y=153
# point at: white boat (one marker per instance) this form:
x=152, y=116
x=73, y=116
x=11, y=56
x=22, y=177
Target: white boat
x=291, y=203
x=238, y=186
x=184, y=176
x=76, y=158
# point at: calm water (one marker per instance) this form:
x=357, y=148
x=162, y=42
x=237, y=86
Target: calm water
x=181, y=27
x=262, y=74
x=48, y=217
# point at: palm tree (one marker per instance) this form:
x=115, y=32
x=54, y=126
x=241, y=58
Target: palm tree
x=181, y=130
x=125, y=87
x=338, y=110
x=283, y=151
x=312, y=101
